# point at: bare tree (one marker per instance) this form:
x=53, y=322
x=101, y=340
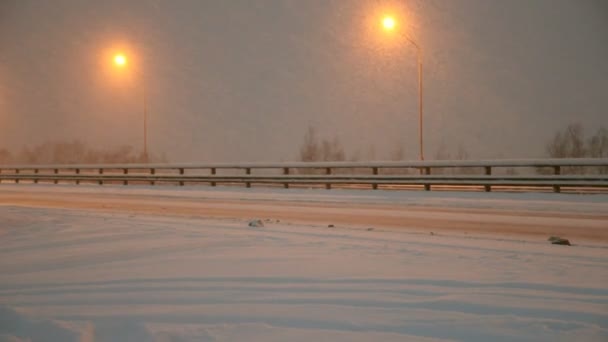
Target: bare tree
x=326, y=150
x=597, y=147
x=461, y=153
x=442, y=153
x=569, y=143
x=310, y=150
x=332, y=150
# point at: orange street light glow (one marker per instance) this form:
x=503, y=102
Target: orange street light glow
x=389, y=23
x=120, y=60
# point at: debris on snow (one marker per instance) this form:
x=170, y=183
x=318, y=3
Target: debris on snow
x=556, y=240
x=565, y=242
x=256, y=223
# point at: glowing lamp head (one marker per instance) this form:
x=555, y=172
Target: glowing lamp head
x=389, y=23
x=120, y=60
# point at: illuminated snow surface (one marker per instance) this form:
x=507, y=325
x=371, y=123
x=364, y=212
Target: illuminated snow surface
x=77, y=274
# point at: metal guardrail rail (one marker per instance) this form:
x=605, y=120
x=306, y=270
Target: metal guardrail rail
x=544, y=173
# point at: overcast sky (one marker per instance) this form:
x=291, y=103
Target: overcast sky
x=240, y=80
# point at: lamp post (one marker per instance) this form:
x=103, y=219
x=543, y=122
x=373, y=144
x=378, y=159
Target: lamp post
x=390, y=24
x=121, y=61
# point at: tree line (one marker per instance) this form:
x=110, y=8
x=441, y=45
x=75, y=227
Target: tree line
x=75, y=152
x=570, y=142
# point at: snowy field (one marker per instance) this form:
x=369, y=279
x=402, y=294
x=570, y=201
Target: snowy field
x=89, y=263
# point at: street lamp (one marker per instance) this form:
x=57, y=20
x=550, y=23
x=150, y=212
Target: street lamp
x=389, y=23
x=120, y=61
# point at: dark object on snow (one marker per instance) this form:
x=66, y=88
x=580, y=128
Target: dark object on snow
x=330, y=226
x=256, y=223
x=556, y=240
x=561, y=242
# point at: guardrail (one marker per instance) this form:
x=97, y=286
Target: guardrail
x=486, y=174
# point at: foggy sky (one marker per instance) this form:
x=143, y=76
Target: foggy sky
x=240, y=80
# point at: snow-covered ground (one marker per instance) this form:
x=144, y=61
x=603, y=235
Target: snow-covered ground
x=96, y=264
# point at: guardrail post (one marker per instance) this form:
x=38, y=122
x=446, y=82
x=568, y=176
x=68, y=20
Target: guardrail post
x=375, y=172
x=125, y=172
x=213, y=173
x=181, y=172
x=556, y=171
x=152, y=172
x=77, y=172
x=286, y=172
x=17, y=178
x=248, y=171
x=328, y=172
x=488, y=187
x=427, y=171
x=56, y=171
x=101, y=173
